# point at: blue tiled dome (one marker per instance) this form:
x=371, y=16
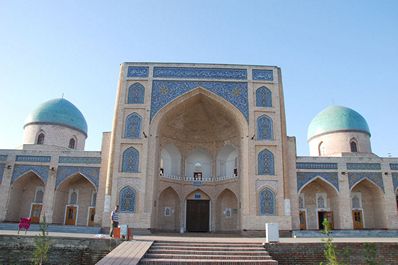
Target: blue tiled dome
x=58, y=111
x=337, y=118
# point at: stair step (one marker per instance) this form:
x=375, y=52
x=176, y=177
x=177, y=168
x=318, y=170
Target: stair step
x=213, y=256
x=204, y=252
x=162, y=243
x=146, y=261
x=221, y=248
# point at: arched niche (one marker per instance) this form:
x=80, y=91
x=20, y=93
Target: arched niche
x=170, y=163
x=227, y=217
x=169, y=212
x=199, y=160
x=227, y=161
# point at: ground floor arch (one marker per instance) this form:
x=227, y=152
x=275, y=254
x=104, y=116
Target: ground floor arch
x=227, y=218
x=198, y=209
x=169, y=213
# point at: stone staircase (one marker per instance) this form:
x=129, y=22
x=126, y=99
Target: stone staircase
x=54, y=228
x=168, y=252
x=346, y=233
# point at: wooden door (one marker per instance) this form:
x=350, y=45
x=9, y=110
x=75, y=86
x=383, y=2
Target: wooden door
x=91, y=215
x=198, y=215
x=325, y=215
x=357, y=219
x=35, y=213
x=303, y=220
x=70, y=215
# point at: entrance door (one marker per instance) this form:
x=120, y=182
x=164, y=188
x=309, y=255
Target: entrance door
x=35, y=213
x=357, y=219
x=70, y=215
x=198, y=215
x=325, y=215
x=303, y=220
x=91, y=214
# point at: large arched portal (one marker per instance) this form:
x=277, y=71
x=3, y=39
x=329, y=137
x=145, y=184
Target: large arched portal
x=26, y=198
x=208, y=133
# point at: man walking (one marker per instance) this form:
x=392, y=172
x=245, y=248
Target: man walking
x=114, y=219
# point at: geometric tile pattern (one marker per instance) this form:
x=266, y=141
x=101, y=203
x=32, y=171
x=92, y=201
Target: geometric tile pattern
x=265, y=163
x=266, y=75
x=394, y=166
x=127, y=198
x=395, y=181
x=91, y=173
x=136, y=93
x=132, y=128
x=164, y=92
x=267, y=202
x=137, y=71
x=375, y=177
x=263, y=97
x=3, y=157
x=305, y=177
x=200, y=73
x=40, y=171
x=130, y=162
x=264, y=128
x=2, y=166
x=363, y=166
x=26, y=158
x=311, y=165
x=79, y=160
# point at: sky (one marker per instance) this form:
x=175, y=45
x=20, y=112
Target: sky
x=330, y=52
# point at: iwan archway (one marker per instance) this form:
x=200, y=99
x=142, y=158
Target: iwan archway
x=206, y=137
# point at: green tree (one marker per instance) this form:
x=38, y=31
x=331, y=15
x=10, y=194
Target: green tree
x=330, y=248
x=42, y=244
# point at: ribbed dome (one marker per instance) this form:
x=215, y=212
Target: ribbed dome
x=58, y=111
x=337, y=118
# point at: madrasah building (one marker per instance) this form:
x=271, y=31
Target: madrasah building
x=198, y=147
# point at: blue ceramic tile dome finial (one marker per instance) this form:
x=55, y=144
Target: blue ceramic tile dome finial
x=337, y=118
x=58, y=111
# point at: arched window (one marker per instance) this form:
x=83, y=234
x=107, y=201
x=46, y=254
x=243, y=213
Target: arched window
x=72, y=143
x=136, y=94
x=321, y=149
x=132, y=128
x=73, y=197
x=40, y=138
x=267, y=202
x=127, y=197
x=130, y=161
x=263, y=97
x=264, y=128
x=39, y=195
x=266, y=163
x=353, y=146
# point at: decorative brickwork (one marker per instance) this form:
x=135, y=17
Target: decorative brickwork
x=310, y=165
x=127, y=199
x=363, y=166
x=266, y=75
x=305, y=177
x=265, y=163
x=263, y=97
x=394, y=166
x=26, y=158
x=137, y=71
x=136, y=94
x=267, y=202
x=40, y=171
x=200, y=73
x=375, y=177
x=131, y=158
x=264, y=128
x=91, y=173
x=132, y=127
x=79, y=160
x=3, y=157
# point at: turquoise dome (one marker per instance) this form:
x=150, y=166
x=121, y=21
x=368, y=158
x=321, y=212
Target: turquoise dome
x=58, y=111
x=337, y=118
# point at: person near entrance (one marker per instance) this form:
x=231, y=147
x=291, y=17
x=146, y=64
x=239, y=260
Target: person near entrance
x=114, y=219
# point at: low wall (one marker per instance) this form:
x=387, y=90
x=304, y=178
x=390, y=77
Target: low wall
x=350, y=253
x=63, y=250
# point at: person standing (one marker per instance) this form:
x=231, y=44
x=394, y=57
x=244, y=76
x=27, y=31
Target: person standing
x=114, y=219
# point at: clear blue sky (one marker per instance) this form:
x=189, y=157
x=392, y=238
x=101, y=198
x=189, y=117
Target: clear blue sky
x=331, y=52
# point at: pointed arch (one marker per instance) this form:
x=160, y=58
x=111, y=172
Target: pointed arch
x=353, y=145
x=263, y=97
x=322, y=180
x=71, y=177
x=264, y=128
x=132, y=128
x=72, y=142
x=267, y=202
x=368, y=180
x=40, y=138
x=130, y=160
x=127, y=199
x=226, y=211
x=265, y=162
x=168, y=210
x=136, y=94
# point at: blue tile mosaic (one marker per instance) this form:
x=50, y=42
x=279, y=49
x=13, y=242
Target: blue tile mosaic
x=264, y=128
x=363, y=166
x=3, y=157
x=91, y=173
x=311, y=165
x=2, y=166
x=267, y=202
x=127, y=198
x=375, y=177
x=394, y=166
x=265, y=163
x=164, y=92
x=200, y=73
x=304, y=177
x=136, y=94
x=267, y=75
x=137, y=71
x=27, y=158
x=20, y=170
x=132, y=128
x=263, y=97
x=79, y=160
x=395, y=181
x=131, y=158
